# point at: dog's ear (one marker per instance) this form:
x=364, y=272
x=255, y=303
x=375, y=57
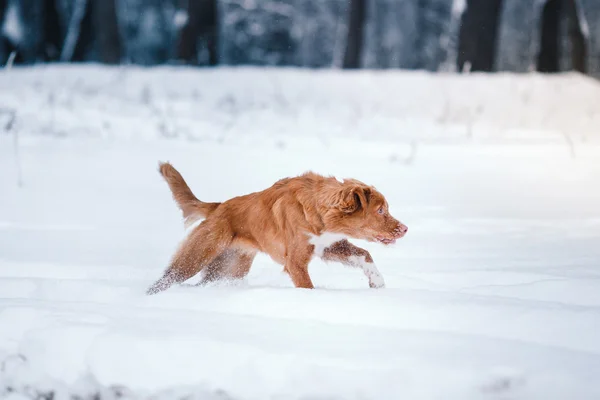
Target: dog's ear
x=353, y=198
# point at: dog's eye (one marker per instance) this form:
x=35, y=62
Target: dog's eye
x=380, y=211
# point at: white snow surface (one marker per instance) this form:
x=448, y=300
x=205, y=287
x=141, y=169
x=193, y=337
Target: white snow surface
x=494, y=293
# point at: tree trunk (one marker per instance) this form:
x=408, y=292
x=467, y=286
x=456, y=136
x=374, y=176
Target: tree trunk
x=434, y=25
x=187, y=42
x=3, y=45
x=354, y=42
x=106, y=29
x=477, y=35
x=210, y=30
x=577, y=36
x=79, y=14
x=3, y=4
x=52, y=37
x=31, y=24
x=200, y=20
x=548, y=57
x=85, y=40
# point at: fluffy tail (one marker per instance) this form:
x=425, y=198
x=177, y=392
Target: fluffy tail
x=192, y=208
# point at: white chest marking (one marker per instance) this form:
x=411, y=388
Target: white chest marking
x=325, y=240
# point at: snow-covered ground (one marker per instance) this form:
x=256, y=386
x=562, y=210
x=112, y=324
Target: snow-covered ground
x=493, y=294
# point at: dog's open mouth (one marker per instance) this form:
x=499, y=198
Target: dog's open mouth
x=385, y=240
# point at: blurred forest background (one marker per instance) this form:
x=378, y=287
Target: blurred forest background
x=434, y=35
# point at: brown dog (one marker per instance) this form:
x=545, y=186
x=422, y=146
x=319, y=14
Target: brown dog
x=292, y=221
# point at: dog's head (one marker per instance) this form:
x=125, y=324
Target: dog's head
x=361, y=212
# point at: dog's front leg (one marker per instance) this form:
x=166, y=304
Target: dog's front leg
x=296, y=265
x=353, y=256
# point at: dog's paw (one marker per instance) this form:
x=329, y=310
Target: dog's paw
x=376, y=282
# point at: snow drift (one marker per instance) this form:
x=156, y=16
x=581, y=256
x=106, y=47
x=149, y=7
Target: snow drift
x=494, y=293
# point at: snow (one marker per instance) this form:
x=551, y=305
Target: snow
x=493, y=293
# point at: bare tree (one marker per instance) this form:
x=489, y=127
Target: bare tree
x=106, y=29
x=548, y=56
x=478, y=33
x=568, y=44
x=3, y=50
x=79, y=13
x=354, y=42
x=52, y=36
x=578, y=33
x=3, y=4
x=35, y=31
x=24, y=22
x=435, y=19
x=198, y=19
x=93, y=33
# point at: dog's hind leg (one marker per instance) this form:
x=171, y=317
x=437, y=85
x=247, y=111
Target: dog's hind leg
x=216, y=269
x=232, y=264
x=242, y=264
x=202, y=246
x=353, y=256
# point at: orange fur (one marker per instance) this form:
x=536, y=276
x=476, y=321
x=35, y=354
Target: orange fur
x=284, y=221
x=192, y=208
